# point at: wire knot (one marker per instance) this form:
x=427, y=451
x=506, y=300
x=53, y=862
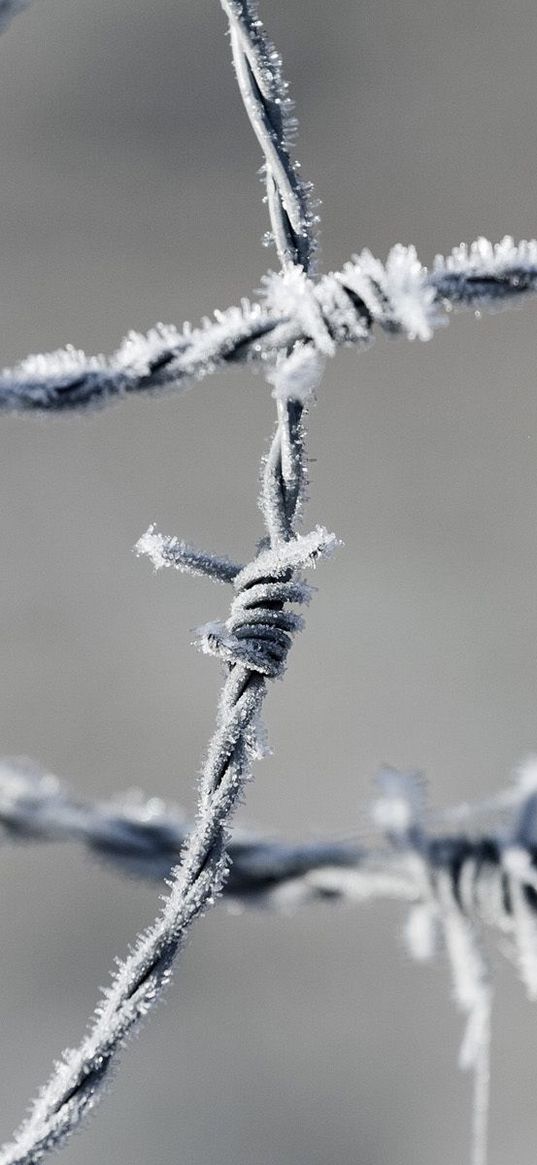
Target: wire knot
x=258, y=632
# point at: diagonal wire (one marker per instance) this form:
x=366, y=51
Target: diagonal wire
x=142, y=836
x=76, y=1082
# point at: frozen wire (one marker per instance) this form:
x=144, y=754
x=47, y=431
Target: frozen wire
x=142, y=836
x=258, y=68
x=400, y=297
x=253, y=642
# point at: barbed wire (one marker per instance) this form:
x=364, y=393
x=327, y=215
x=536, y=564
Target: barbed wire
x=142, y=836
x=264, y=91
x=253, y=643
x=401, y=297
x=456, y=884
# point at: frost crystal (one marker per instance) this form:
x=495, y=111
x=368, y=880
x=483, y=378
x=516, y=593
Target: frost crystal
x=486, y=258
x=399, y=808
x=296, y=377
x=152, y=545
x=397, y=292
x=292, y=294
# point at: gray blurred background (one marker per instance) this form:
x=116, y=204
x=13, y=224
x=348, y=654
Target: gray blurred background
x=128, y=194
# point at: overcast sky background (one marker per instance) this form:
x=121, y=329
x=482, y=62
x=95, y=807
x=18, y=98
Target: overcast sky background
x=128, y=194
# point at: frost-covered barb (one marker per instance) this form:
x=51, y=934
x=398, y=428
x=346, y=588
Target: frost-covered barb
x=400, y=296
x=166, y=550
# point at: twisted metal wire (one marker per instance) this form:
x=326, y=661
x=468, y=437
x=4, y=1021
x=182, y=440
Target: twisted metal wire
x=401, y=297
x=142, y=836
x=254, y=642
x=453, y=882
x=258, y=68
x=74, y=1086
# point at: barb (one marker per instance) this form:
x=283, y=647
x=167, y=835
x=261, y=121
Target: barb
x=401, y=297
x=164, y=550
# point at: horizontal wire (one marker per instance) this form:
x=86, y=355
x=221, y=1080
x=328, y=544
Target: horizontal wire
x=141, y=836
x=401, y=297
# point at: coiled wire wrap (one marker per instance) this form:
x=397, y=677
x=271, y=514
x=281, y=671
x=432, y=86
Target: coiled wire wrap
x=258, y=632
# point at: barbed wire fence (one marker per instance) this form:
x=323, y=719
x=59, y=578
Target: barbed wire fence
x=458, y=874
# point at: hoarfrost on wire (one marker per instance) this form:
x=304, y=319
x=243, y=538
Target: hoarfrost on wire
x=455, y=884
x=400, y=296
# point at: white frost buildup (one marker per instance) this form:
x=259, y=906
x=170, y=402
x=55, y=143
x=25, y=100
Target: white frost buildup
x=296, y=377
x=486, y=258
x=152, y=544
x=55, y=365
x=400, y=805
x=292, y=294
x=396, y=292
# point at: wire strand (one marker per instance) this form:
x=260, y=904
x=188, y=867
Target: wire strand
x=454, y=883
x=258, y=68
x=75, y=1084
x=141, y=836
x=254, y=643
x=400, y=297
